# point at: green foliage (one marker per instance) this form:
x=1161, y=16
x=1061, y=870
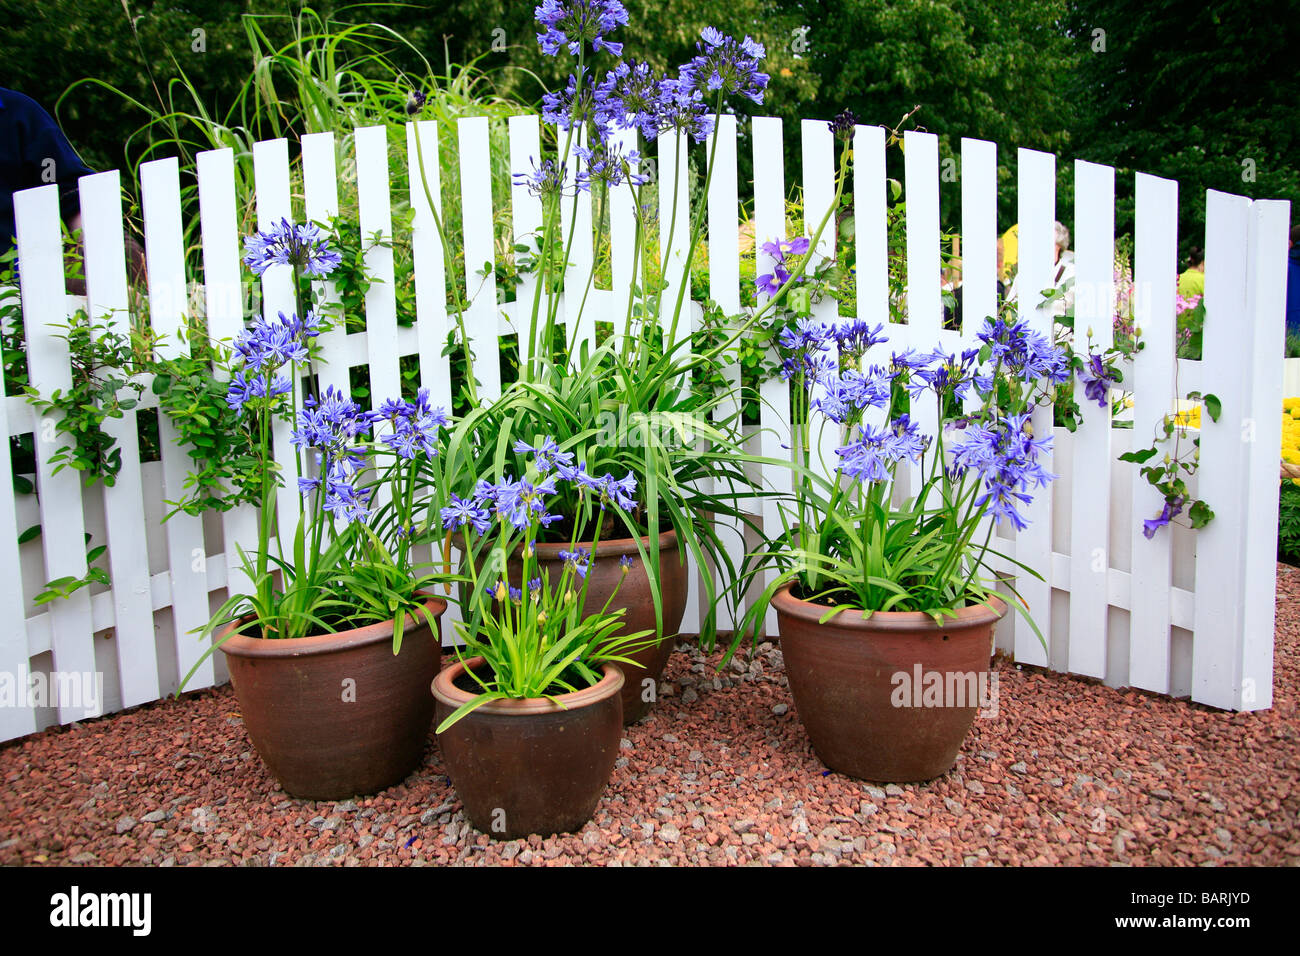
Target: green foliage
x=1204, y=94
x=225, y=471
x=104, y=362
x=1288, y=523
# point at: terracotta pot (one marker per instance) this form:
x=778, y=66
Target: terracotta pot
x=338, y=715
x=889, y=698
x=530, y=766
x=636, y=596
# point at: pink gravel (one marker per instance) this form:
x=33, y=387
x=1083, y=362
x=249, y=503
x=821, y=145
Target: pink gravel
x=720, y=772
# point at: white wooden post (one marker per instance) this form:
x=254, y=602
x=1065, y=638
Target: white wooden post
x=481, y=316
x=321, y=202
x=40, y=258
x=1262, y=431
x=186, y=549
x=429, y=264
x=1036, y=199
x=1155, y=276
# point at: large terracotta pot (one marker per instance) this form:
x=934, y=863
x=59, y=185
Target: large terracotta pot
x=533, y=765
x=338, y=715
x=889, y=698
x=636, y=596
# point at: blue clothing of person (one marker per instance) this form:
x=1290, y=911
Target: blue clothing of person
x=1293, y=292
x=33, y=152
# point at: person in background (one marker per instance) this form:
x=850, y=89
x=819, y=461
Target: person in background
x=1293, y=283
x=1192, y=282
x=1062, y=279
x=34, y=152
x=1010, y=247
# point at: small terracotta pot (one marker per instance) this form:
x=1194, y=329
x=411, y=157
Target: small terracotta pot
x=889, y=698
x=636, y=596
x=338, y=715
x=530, y=766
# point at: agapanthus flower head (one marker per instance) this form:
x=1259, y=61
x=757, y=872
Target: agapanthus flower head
x=546, y=454
x=629, y=97
x=302, y=247
x=844, y=122
x=548, y=179
x=579, y=559
x=857, y=337
x=607, y=163
x=1025, y=353
x=873, y=453
x=682, y=108
x=462, y=512
x=725, y=65
x=264, y=348
x=416, y=426
x=1005, y=454
x=568, y=25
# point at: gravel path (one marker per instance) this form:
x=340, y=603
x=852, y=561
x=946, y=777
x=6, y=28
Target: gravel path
x=720, y=772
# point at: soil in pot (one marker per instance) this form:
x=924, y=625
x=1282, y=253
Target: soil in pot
x=530, y=766
x=890, y=698
x=338, y=715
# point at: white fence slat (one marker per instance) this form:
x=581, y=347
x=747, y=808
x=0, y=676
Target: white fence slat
x=1216, y=664
x=186, y=550
x=871, y=227
x=774, y=414
x=15, y=651
x=818, y=195
x=480, y=248
x=427, y=257
x=376, y=235
x=724, y=289
x=979, y=235
x=1094, y=294
x=674, y=231
x=128, y=556
x=271, y=174
x=924, y=302
x=624, y=268
x=1036, y=200
x=40, y=258
x=1155, y=264
x=1265, y=309
x=224, y=308
x=576, y=229
x=526, y=211
x=321, y=203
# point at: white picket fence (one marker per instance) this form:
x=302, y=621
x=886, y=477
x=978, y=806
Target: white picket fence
x=1185, y=613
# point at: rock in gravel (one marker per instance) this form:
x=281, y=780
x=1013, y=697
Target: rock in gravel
x=124, y=824
x=780, y=709
x=154, y=816
x=876, y=793
x=1019, y=767
x=669, y=833
x=689, y=696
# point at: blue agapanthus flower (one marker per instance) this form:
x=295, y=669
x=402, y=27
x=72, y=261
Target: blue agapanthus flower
x=1005, y=454
x=568, y=25
x=875, y=451
x=264, y=348
x=725, y=65
x=303, y=247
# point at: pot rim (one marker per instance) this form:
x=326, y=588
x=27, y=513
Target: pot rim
x=249, y=646
x=973, y=615
x=445, y=690
x=608, y=547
